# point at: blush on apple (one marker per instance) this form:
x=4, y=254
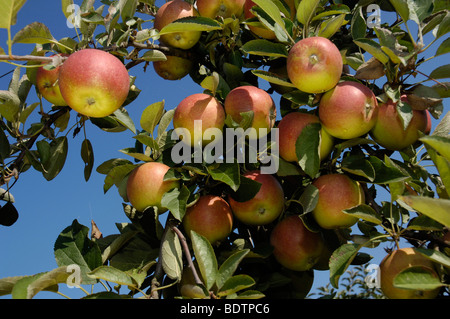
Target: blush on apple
x=220, y=8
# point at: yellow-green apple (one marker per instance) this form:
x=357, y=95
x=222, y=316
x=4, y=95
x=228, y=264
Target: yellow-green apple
x=389, y=132
x=48, y=86
x=187, y=286
x=210, y=217
x=349, y=110
x=174, y=68
x=265, y=206
x=295, y=246
x=198, y=107
x=291, y=126
x=251, y=98
x=314, y=65
x=398, y=261
x=93, y=82
x=337, y=192
x=146, y=186
x=168, y=13
x=220, y=8
x=260, y=31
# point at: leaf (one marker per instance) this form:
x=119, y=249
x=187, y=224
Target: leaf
x=172, y=256
x=366, y=213
x=444, y=26
x=401, y=6
x=35, y=32
x=48, y=281
x=385, y=174
x=373, y=48
x=273, y=78
x=8, y=14
x=436, y=256
x=191, y=24
x=229, y=266
x=439, y=143
x=330, y=26
x=122, y=116
x=112, y=274
x=206, y=259
x=359, y=166
x=116, y=175
x=235, y=284
x=87, y=154
x=227, y=173
x=273, y=12
x=5, y=148
x=307, y=149
x=358, y=25
x=306, y=10
x=370, y=70
x=117, y=244
x=340, y=260
x=127, y=8
x=58, y=154
x=176, y=201
x=265, y=48
x=441, y=72
x=443, y=48
x=9, y=106
x=435, y=208
x=248, y=188
x=417, y=278
x=308, y=199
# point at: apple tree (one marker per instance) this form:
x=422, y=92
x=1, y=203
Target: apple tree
x=337, y=95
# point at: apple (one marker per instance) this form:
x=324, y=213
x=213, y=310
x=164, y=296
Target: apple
x=314, y=65
x=168, y=13
x=146, y=186
x=295, y=246
x=349, y=110
x=187, y=286
x=210, y=217
x=48, y=86
x=174, y=68
x=93, y=82
x=337, y=192
x=388, y=130
x=265, y=206
x=222, y=8
x=251, y=98
x=262, y=31
x=398, y=261
x=202, y=107
x=290, y=127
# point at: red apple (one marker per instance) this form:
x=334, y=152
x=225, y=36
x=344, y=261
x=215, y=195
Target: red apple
x=220, y=8
x=93, y=82
x=337, y=192
x=174, y=68
x=262, y=31
x=314, y=65
x=168, y=13
x=398, y=261
x=250, y=98
x=290, y=128
x=201, y=107
x=146, y=186
x=389, y=132
x=349, y=110
x=210, y=217
x=48, y=86
x=295, y=246
x=265, y=206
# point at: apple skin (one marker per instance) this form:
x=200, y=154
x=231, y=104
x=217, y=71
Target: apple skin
x=174, y=68
x=349, y=110
x=267, y=204
x=202, y=107
x=337, y=192
x=222, y=8
x=388, y=129
x=251, y=98
x=93, y=82
x=290, y=128
x=295, y=246
x=168, y=13
x=48, y=86
x=210, y=217
x=314, y=65
x=146, y=186
x=262, y=32
x=187, y=286
x=397, y=261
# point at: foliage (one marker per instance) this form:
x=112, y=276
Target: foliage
x=148, y=254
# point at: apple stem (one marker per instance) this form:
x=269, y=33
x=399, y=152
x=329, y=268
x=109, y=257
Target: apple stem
x=313, y=59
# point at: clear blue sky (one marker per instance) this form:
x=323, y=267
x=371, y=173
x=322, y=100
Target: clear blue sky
x=46, y=208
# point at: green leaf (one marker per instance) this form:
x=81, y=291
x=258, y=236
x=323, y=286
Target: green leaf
x=439, y=143
x=330, y=26
x=58, y=154
x=443, y=48
x=443, y=166
x=306, y=11
x=122, y=116
x=307, y=149
x=176, y=201
x=35, y=32
x=435, y=208
x=358, y=25
x=444, y=26
x=373, y=48
x=87, y=154
x=22, y=286
x=5, y=148
x=401, y=6
x=265, y=48
x=436, y=256
x=417, y=278
x=116, y=175
x=127, y=8
x=7, y=284
x=340, y=260
x=248, y=188
x=191, y=24
x=273, y=78
x=48, y=281
x=172, y=256
x=206, y=259
x=8, y=14
x=366, y=213
x=227, y=173
x=272, y=11
x=229, y=266
x=309, y=197
x=385, y=174
x=441, y=72
x=359, y=166
x=9, y=106
x=235, y=284
x=112, y=274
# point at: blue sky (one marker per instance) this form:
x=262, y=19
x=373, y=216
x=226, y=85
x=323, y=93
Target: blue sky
x=46, y=208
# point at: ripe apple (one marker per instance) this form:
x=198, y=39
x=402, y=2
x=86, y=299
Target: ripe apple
x=223, y=8
x=262, y=31
x=388, y=130
x=174, y=68
x=265, y=206
x=146, y=186
x=251, y=98
x=398, y=261
x=349, y=110
x=290, y=128
x=295, y=246
x=168, y=13
x=314, y=65
x=202, y=107
x=93, y=82
x=337, y=192
x=48, y=86
x=210, y=217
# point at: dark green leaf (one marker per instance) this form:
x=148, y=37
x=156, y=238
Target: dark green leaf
x=227, y=173
x=176, y=201
x=307, y=149
x=206, y=259
x=265, y=48
x=5, y=148
x=229, y=266
x=235, y=284
x=366, y=213
x=58, y=154
x=87, y=154
x=35, y=32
